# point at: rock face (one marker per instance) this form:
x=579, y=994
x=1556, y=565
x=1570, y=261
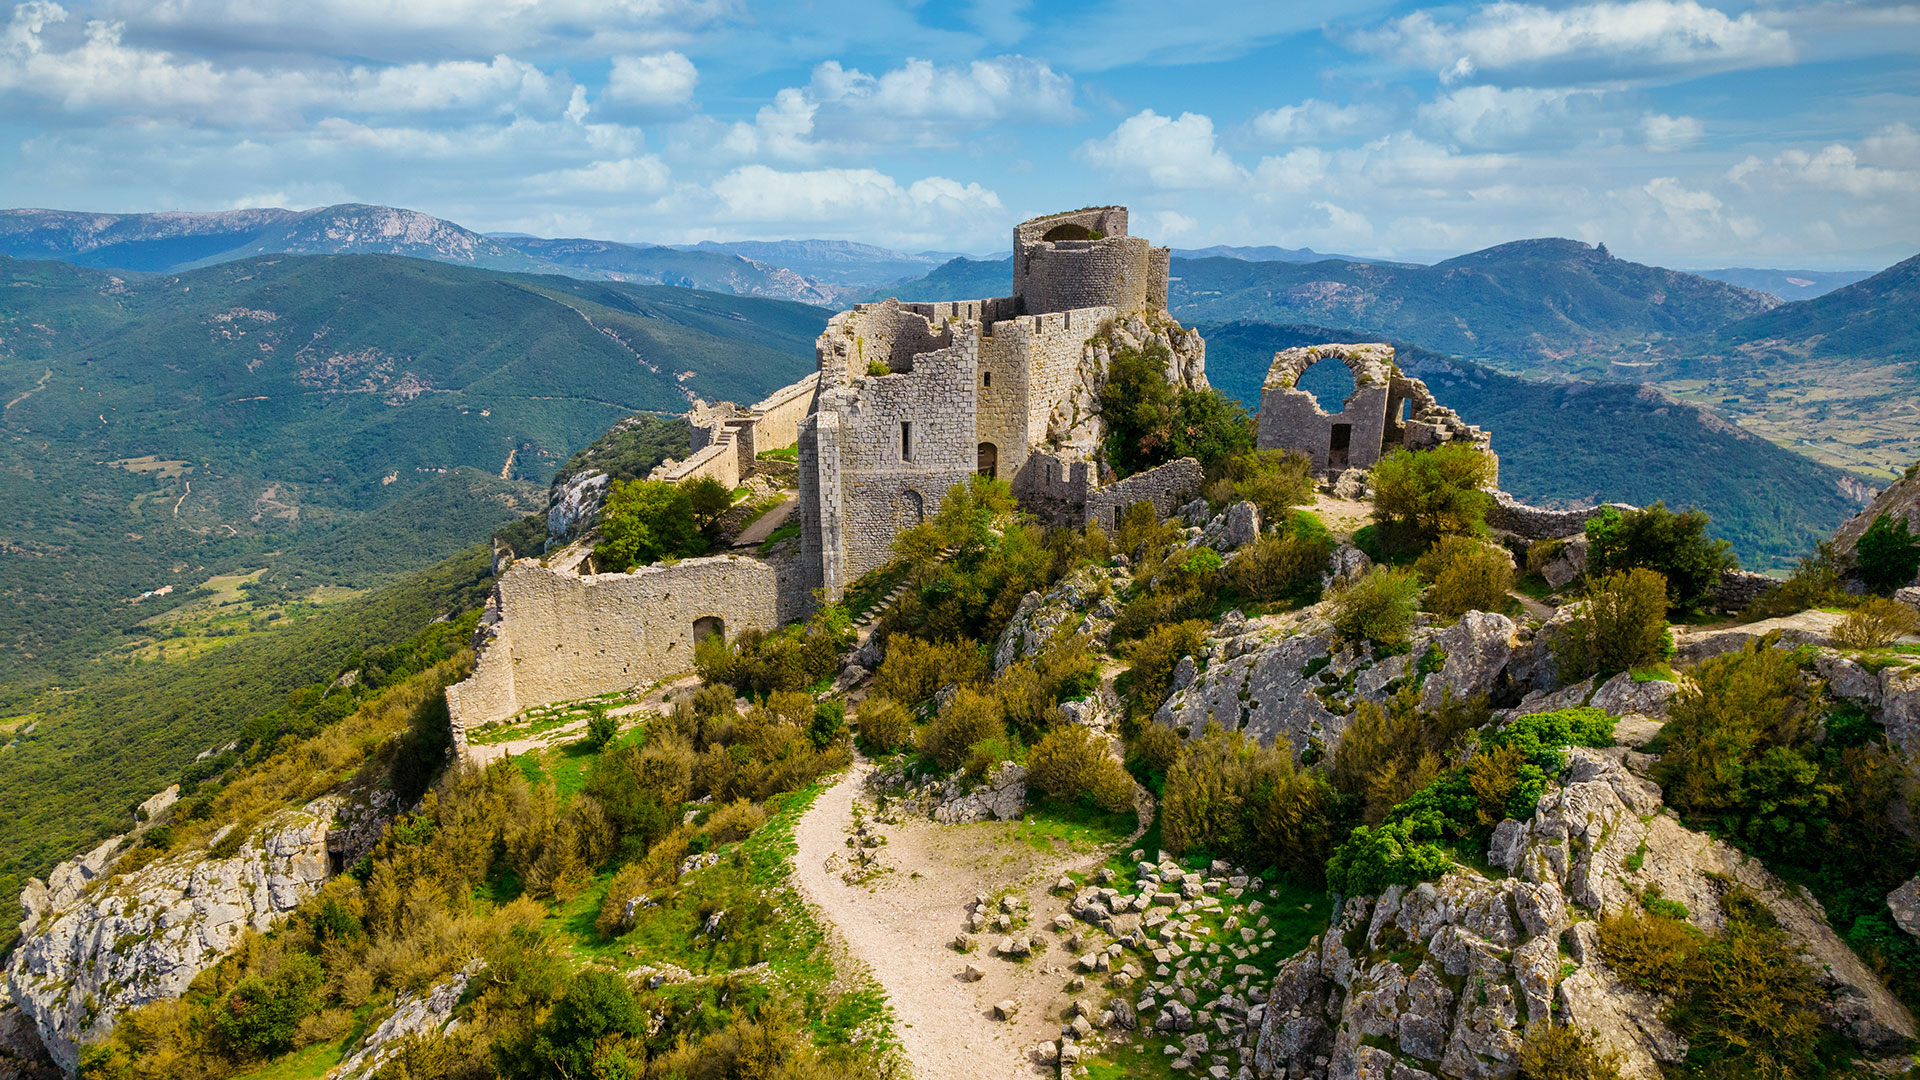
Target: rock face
x=1904, y=904
x=1002, y=796
x=413, y=1014
x=1075, y=425
x=1085, y=601
x=573, y=506
x=1302, y=687
x=1892, y=692
x=85, y=957
x=1380, y=993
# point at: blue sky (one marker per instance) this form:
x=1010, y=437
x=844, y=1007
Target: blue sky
x=1677, y=132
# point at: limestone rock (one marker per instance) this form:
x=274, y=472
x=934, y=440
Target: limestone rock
x=1622, y=696
x=1910, y=596
x=1568, y=563
x=1904, y=903
x=413, y=1014
x=1083, y=601
x=573, y=506
x=86, y=956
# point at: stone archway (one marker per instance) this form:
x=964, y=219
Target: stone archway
x=988, y=460
x=709, y=626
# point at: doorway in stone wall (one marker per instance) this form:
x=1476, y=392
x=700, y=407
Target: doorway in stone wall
x=1338, y=446
x=709, y=626
x=989, y=460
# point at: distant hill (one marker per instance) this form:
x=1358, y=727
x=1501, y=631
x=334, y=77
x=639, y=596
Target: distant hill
x=1267, y=253
x=1788, y=284
x=1877, y=317
x=1586, y=442
x=182, y=241
x=843, y=263
x=711, y=270
x=1528, y=305
x=161, y=430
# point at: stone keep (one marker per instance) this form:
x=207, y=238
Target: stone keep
x=1387, y=410
x=915, y=397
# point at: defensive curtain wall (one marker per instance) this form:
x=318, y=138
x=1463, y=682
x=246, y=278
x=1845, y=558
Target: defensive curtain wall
x=1387, y=410
x=728, y=440
x=560, y=636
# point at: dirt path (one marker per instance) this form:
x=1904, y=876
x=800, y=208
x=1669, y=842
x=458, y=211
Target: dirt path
x=901, y=922
x=764, y=525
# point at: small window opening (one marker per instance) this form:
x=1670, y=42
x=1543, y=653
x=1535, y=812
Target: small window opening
x=1340, y=444
x=986, y=378
x=906, y=440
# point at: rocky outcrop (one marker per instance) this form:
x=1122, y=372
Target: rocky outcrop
x=1899, y=500
x=1804, y=628
x=1892, y=692
x=1075, y=425
x=1904, y=904
x=1085, y=601
x=425, y=1014
x=953, y=800
x=573, y=506
x=1385, y=991
x=1302, y=687
x=91, y=949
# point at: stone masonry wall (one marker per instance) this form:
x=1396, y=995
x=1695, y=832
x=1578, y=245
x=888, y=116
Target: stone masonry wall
x=1165, y=486
x=560, y=636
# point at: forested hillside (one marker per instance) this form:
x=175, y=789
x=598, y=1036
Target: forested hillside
x=351, y=417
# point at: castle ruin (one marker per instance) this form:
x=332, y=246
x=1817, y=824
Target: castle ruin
x=1387, y=410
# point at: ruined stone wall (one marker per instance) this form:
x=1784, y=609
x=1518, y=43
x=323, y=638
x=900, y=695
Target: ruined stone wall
x=1054, y=489
x=1165, y=486
x=561, y=636
x=1035, y=364
x=777, y=416
x=888, y=332
x=1063, y=275
x=1537, y=523
x=720, y=460
x=1292, y=419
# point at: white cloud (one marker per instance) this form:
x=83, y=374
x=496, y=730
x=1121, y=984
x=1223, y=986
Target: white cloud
x=1631, y=35
x=1887, y=163
x=782, y=129
x=1489, y=116
x=666, y=78
x=1313, y=119
x=644, y=175
x=1003, y=88
x=1665, y=132
x=1172, y=224
x=1171, y=153
x=100, y=72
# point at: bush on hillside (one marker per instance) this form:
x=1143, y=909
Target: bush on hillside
x=1151, y=421
x=1071, y=765
x=885, y=726
x=1654, y=538
x=915, y=670
x=1272, y=480
x=1229, y=796
x=970, y=718
x=1553, y=1051
x=1887, y=555
x=1378, y=607
x=1875, y=624
x=644, y=521
x=1152, y=752
x=1031, y=689
x=1619, y=625
x=1284, y=565
x=1433, y=492
x=1153, y=658
x=1464, y=574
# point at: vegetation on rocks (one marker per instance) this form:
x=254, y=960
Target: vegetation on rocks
x=1378, y=607
x=1887, y=555
x=1420, y=495
x=1465, y=574
x=1620, y=625
x=1675, y=546
x=1151, y=421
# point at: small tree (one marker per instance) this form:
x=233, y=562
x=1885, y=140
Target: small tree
x=1656, y=538
x=1071, y=764
x=1887, y=555
x=1465, y=574
x=1620, y=625
x=1150, y=420
x=970, y=717
x=601, y=728
x=644, y=521
x=884, y=725
x=1281, y=566
x=1379, y=607
x=709, y=499
x=1435, y=491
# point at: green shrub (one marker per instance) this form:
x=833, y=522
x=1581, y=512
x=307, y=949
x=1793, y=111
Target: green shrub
x=1875, y=624
x=1152, y=660
x=1152, y=753
x=877, y=368
x=1371, y=859
x=885, y=725
x=261, y=1014
x=1228, y=795
x=644, y=521
x=970, y=717
x=1378, y=607
x=1071, y=764
x=1620, y=625
x=1887, y=555
x=1434, y=491
x=1272, y=480
x=1654, y=538
x=1285, y=565
x=828, y=725
x=1150, y=421
x=601, y=728
x=1030, y=690
x=914, y=670
x=708, y=499
x=1465, y=574
x=1819, y=580
x=597, y=1028
x=1726, y=717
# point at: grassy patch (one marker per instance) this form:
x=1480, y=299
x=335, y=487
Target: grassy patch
x=786, y=531
x=784, y=453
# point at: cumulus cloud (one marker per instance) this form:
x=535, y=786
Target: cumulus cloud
x=101, y=72
x=1005, y=87
x=782, y=129
x=1171, y=153
x=666, y=78
x=643, y=175
x=1314, y=119
x=1491, y=116
x=1887, y=163
x=1663, y=132
x=1634, y=35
